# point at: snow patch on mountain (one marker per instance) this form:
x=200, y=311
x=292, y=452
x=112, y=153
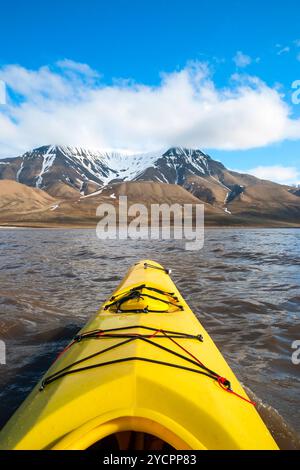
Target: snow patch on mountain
x=19, y=172
x=48, y=160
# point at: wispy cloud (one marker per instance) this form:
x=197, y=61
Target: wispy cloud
x=283, y=50
x=185, y=108
x=241, y=60
x=292, y=47
x=280, y=174
x=77, y=67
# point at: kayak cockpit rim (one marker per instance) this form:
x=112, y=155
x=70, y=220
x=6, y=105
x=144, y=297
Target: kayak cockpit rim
x=89, y=437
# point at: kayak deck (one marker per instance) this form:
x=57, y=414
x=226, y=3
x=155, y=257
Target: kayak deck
x=142, y=370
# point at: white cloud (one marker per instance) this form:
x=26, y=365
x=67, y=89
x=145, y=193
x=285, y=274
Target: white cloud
x=283, y=50
x=279, y=174
x=2, y=93
x=185, y=108
x=77, y=67
x=241, y=60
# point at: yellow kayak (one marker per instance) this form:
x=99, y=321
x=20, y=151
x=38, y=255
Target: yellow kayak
x=142, y=374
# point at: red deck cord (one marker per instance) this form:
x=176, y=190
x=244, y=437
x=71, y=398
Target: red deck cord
x=64, y=350
x=221, y=380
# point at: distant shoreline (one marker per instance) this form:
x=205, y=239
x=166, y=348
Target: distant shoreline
x=91, y=227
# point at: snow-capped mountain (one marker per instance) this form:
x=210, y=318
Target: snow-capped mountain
x=78, y=179
x=79, y=167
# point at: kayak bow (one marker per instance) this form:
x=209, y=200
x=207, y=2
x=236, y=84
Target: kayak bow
x=142, y=374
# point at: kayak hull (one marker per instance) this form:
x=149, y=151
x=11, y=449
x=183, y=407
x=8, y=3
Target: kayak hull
x=143, y=385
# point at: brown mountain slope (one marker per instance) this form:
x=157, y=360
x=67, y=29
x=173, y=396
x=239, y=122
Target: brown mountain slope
x=267, y=200
x=261, y=203
x=145, y=193
x=150, y=192
x=34, y=207
x=246, y=196
x=61, y=190
x=207, y=189
x=9, y=168
x=18, y=198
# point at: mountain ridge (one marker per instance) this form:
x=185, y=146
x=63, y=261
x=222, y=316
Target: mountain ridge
x=88, y=170
x=71, y=174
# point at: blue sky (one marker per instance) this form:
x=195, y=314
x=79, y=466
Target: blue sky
x=140, y=75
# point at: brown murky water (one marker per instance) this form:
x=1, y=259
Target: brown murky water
x=244, y=286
